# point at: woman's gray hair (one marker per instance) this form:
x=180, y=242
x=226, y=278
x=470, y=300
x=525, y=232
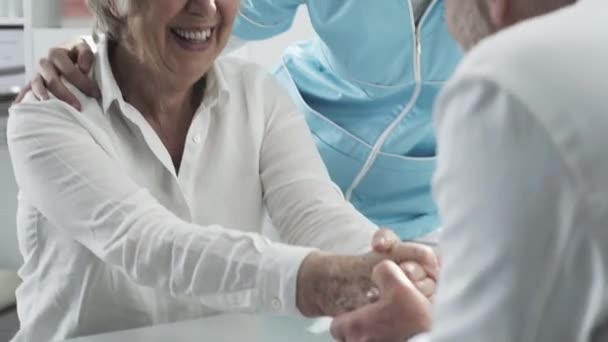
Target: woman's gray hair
x=109, y=16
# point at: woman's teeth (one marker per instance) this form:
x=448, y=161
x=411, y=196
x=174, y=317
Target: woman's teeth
x=194, y=35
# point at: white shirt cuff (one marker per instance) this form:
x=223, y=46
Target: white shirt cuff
x=280, y=265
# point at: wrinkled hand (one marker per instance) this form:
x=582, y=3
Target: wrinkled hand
x=73, y=64
x=329, y=285
x=400, y=313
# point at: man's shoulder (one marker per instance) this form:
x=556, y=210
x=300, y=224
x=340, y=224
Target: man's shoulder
x=553, y=66
x=531, y=53
x=511, y=54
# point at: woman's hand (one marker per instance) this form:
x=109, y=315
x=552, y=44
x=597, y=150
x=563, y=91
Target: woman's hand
x=329, y=285
x=73, y=64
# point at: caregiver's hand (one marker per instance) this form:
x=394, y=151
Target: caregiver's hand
x=329, y=285
x=72, y=63
x=400, y=313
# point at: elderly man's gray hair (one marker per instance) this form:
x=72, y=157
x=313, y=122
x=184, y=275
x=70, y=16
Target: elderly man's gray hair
x=109, y=15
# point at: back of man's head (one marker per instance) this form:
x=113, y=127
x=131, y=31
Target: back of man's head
x=472, y=20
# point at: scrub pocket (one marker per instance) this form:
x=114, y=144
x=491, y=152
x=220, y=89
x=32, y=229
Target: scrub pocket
x=342, y=153
x=396, y=193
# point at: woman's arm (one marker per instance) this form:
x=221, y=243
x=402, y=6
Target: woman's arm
x=304, y=204
x=69, y=178
x=67, y=175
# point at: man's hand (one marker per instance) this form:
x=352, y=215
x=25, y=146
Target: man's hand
x=400, y=313
x=418, y=261
x=73, y=64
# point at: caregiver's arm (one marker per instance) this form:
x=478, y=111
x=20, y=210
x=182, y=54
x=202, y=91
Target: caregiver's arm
x=263, y=19
x=72, y=62
x=69, y=177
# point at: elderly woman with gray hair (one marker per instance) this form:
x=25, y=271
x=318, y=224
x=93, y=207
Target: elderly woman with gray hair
x=147, y=207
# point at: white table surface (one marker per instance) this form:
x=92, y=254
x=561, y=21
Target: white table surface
x=226, y=328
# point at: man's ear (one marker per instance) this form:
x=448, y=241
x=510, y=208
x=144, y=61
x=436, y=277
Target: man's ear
x=113, y=9
x=118, y=10
x=498, y=12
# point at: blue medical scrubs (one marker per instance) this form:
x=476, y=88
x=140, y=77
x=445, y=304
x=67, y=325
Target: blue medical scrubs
x=367, y=83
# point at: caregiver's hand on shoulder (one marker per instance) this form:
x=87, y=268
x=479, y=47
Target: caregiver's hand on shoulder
x=72, y=63
x=400, y=313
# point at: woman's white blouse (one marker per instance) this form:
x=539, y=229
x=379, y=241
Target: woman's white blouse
x=113, y=238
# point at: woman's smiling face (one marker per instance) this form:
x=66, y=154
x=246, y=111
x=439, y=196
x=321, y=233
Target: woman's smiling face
x=183, y=37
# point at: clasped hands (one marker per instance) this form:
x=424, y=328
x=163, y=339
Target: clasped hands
x=365, y=292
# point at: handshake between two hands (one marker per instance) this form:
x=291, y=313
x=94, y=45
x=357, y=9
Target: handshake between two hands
x=384, y=295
